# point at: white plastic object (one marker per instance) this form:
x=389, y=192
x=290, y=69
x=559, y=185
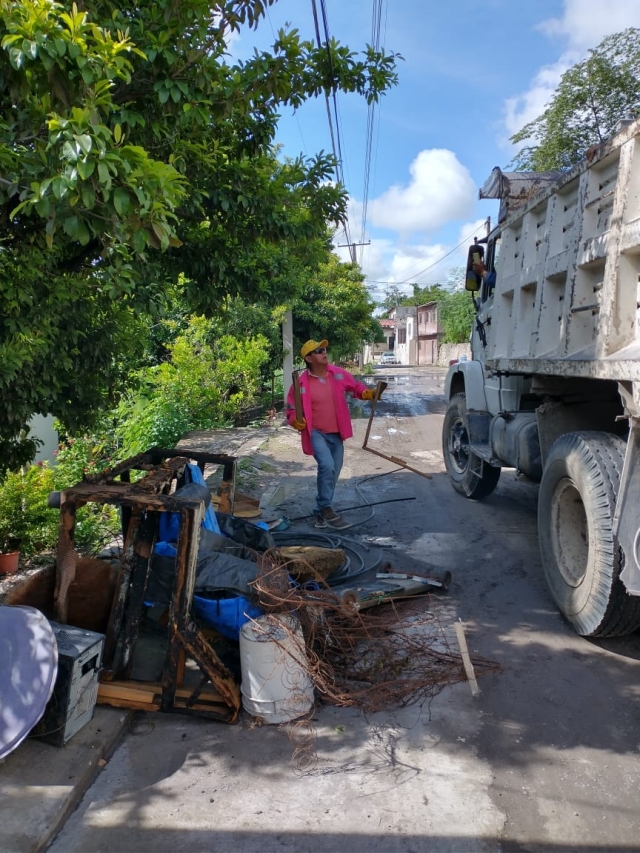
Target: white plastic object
x=276, y=685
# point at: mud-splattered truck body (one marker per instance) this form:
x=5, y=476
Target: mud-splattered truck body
x=553, y=389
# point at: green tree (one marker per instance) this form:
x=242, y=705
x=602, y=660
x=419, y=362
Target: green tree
x=456, y=313
x=335, y=305
x=591, y=98
x=422, y=295
x=393, y=298
x=132, y=153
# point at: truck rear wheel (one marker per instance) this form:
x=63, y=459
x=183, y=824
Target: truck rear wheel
x=469, y=474
x=581, y=558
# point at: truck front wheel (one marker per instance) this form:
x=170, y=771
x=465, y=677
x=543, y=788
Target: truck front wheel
x=469, y=474
x=582, y=560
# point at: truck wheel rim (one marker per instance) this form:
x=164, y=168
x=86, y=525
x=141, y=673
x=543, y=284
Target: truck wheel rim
x=459, y=446
x=569, y=533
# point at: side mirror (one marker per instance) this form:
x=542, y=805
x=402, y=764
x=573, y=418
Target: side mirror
x=475, y=255
x=471, y=282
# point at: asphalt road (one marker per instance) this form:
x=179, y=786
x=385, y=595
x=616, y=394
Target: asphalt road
x=544, y=759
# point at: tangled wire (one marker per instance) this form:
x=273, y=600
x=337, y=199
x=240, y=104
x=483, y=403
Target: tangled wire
x=390, y=657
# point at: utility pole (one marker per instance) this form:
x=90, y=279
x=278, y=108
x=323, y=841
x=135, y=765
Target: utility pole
x=352, y=248
x=287, y=352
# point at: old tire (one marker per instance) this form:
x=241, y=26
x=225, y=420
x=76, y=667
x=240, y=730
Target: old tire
x=582, y=560
x=469, y=474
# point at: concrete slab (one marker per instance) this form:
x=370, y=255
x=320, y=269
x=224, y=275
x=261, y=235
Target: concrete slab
x=407, y=780
x=40, y=784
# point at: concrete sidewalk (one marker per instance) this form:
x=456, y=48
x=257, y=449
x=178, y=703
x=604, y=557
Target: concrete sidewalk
x=40, y=784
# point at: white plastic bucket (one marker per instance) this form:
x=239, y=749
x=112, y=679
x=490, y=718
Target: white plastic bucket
x=276, y=685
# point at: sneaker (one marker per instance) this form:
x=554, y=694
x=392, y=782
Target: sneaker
x=320, y=521
x=338, y=523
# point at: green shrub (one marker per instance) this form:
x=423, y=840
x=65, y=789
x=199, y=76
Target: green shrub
x=205, y=384
x=26, y=522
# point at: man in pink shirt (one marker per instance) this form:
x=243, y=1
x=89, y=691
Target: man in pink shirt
x=326, y=422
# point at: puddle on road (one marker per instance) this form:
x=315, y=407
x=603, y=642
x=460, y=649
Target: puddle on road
x=403, y=397
x=401, y=407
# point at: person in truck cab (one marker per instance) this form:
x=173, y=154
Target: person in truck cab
x=488, y=277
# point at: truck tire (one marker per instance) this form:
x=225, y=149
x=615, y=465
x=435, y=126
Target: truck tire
x=469, y=474
x=581, y=558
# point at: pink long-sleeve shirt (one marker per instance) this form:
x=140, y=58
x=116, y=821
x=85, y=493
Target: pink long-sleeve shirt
x=341, y=382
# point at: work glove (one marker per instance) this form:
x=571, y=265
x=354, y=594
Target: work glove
x=299, y=424
x=369, y=394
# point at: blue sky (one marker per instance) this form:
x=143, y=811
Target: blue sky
x=473, y=73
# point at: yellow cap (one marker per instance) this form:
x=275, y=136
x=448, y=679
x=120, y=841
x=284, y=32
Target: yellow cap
x=305, y=349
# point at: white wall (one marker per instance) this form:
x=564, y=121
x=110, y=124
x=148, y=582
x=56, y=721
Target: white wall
x=41, y=426
x=448, y=351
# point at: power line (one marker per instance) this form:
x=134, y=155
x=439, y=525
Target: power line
x=439, y=261
x=376, y=21
x=336, y=143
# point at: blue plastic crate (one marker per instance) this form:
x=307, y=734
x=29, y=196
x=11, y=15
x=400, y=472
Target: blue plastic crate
x=226, y=615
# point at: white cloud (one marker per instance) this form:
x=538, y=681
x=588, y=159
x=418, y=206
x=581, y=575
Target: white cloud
x=385, y=263
x=440, y=189
x=529, y=105
x=582, y=25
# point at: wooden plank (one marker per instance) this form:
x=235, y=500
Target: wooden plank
x=466, y=659
x=125, y=494
x=120, y=690
x=128, y=703
x=65, y=559
x=184, y=580
x=151, y=690
x=210, y=664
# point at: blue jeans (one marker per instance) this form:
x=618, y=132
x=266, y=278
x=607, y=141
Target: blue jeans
x=328, y=451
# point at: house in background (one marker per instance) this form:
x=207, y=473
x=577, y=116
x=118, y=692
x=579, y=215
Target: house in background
x=429, y=333
x=406, y=334
x=371, y=351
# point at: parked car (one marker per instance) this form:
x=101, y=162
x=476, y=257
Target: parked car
x=389, y=358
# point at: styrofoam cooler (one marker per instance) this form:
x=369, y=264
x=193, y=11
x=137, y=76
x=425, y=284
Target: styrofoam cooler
x=276, y=685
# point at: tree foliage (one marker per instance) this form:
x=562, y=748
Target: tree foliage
x=335, y=305
x=591, y=98
x=204, y=383
x=456, y=313
x=133, y=153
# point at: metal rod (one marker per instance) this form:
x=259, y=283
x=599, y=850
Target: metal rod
x=397, y=461
x=297, y=397
x=379, y=389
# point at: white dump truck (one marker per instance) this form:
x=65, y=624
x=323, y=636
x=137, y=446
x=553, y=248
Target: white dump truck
x=553, y=389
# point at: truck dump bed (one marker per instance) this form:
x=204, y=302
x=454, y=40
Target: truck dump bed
x=568, y=273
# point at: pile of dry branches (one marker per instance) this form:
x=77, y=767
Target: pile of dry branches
x=385, y=658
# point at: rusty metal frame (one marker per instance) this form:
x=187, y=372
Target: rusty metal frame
x=396, y=460
x=142, y=503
